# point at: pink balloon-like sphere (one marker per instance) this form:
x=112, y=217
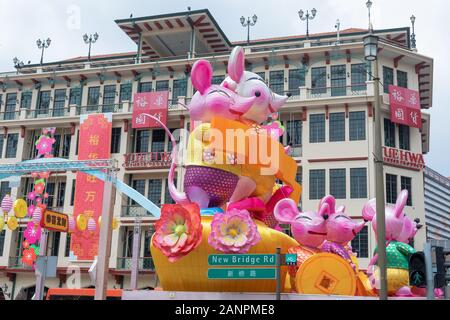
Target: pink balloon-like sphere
x=71, y=224
x=37, y=215
x=92, y=226
x=7, y=204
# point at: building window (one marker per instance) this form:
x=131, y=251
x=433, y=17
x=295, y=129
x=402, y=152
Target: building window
x=403, y=137
x=337, y=126
x=218, y=79
x=43, y=102
x=109, y=97
x=402, y=79
x=142, y=141
x=25, y=100
x=54, y=244
x=261, y=74
x=125, y=92
x=56, y=145
x=294, y=133
x=388, y=78
x=358, y=183
x=179, y=88
x=296, y=80
x=93, y=98
x=162, y=85
x=115, y=140
x=176, y=135
x=2, y=241
x=277, y=81
x=10, y=106
x=72, y=194
x=50, y=189
x=406, y=185
x=338, y=183
x=316, y=184
x=316, y=128
x=145, y=87
x=359, y=77
x=67, y=250
x=61, y=195
x=167, y=197
x=389, y=133
x=139, y=186
x=154, y=191
x=75, y=96
x=319, y=80
x=391, y=188
x=4, y=189
x=360, y=243
x=76, y=145
x=338, y=80
x=2, y=138
x=357, y=124
x=66, y=145
x=11, y=145
x=158, y=140
x=59, y=103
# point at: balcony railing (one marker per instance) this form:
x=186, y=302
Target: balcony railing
x=132, y=211
x=145, y=263
x=296, y=152
x=9, y=115
x=16, y=263
x=48, y=113
x=106, y=108
x=338, y=91
x=147, y=160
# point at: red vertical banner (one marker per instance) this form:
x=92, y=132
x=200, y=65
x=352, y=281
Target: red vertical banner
x=152, y=103
x=94, y=143
x=405, y=106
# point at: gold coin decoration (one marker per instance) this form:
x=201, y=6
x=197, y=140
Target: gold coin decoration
x=82, y=222
x=12, y=223
x=20, y=208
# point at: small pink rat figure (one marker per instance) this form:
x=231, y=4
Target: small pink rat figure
x=308, y=228
x=341, y=229
x=397, y=252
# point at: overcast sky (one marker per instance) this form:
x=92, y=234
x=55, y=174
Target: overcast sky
x=65, y=21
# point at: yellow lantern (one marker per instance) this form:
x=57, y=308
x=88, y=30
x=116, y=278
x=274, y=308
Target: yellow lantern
x=81, y=222
x=2, y=223
x=12, y=223
x=20, y=208
x=114, y=223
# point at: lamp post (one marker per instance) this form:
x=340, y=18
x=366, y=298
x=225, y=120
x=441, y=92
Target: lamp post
x=248, y=24
x=43, y=44
x=90, y=40
x=307, y=17
x=18, y=63
x=369, y=6
x=371, y=54
x=413, y=35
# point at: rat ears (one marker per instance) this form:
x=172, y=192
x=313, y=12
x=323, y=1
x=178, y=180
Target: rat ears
x=324, y=209
x=369, y=210
x=201, y=75
x=236, y=64
x=401, y=202
x=286, y=211
x=331, y=201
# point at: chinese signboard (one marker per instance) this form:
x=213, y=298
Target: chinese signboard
x=55, y=221
x=405, y=106
x=153, y=103
x=403, y=158
x=94, y=143
x=147, y=160
x=256, y=273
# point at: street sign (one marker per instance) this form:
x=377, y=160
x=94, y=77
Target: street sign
x=243, y=274
x=242, y=260
x=290, y=259
x=55, y=221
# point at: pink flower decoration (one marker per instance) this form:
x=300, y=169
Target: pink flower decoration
x=29, y=257
x=44, y=145
x=39, y=188
x=30, y=210
x=233, y=232
x=31, y=195
x=34, y=174
x=178, y=231
x=44, y=175
x=32, y=233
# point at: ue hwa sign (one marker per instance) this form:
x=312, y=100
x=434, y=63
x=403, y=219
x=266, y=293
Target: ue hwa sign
x=257, y=273
x=242, y=260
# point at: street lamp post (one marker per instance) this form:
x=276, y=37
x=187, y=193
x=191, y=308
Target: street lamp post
x=307, y=17
x=248, y=24
x=90, y=40
x=43, y=44
x=371, y=54
x=413, y=35
x=18, y=64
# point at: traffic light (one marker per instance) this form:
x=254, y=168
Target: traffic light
x=417, y=270
x=441, y=278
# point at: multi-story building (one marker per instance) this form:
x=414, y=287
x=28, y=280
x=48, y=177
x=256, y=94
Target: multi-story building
x=437, y=207
x=329, y=121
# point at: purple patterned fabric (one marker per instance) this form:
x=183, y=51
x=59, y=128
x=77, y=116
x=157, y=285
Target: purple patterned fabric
x=218, y=184
x=335, y=248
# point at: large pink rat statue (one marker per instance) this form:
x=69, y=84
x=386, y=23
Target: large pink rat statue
x=308, y=228
x=341, y=229
x=397, y=252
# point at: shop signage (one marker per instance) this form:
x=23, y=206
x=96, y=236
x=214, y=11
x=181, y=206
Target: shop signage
x=405, y=106
x=243, y=274
x=153, y=103
x=55, y=221
x=242, y=260
x=403, y=158
x=147, y=160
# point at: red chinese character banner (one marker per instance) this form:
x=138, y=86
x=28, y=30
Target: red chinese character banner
x=153, y=103
x=405, y=106
x=94, y=143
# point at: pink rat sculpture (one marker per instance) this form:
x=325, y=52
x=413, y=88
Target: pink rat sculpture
x=308, y=228
x=341, y=229
x=397, y=252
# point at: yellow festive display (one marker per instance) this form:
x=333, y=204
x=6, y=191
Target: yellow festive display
x=12, y=223
x=114, y=223
x=82, y=222
x=2, y=223
x=20, y=208
x=190, y=272
x=326, y=273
